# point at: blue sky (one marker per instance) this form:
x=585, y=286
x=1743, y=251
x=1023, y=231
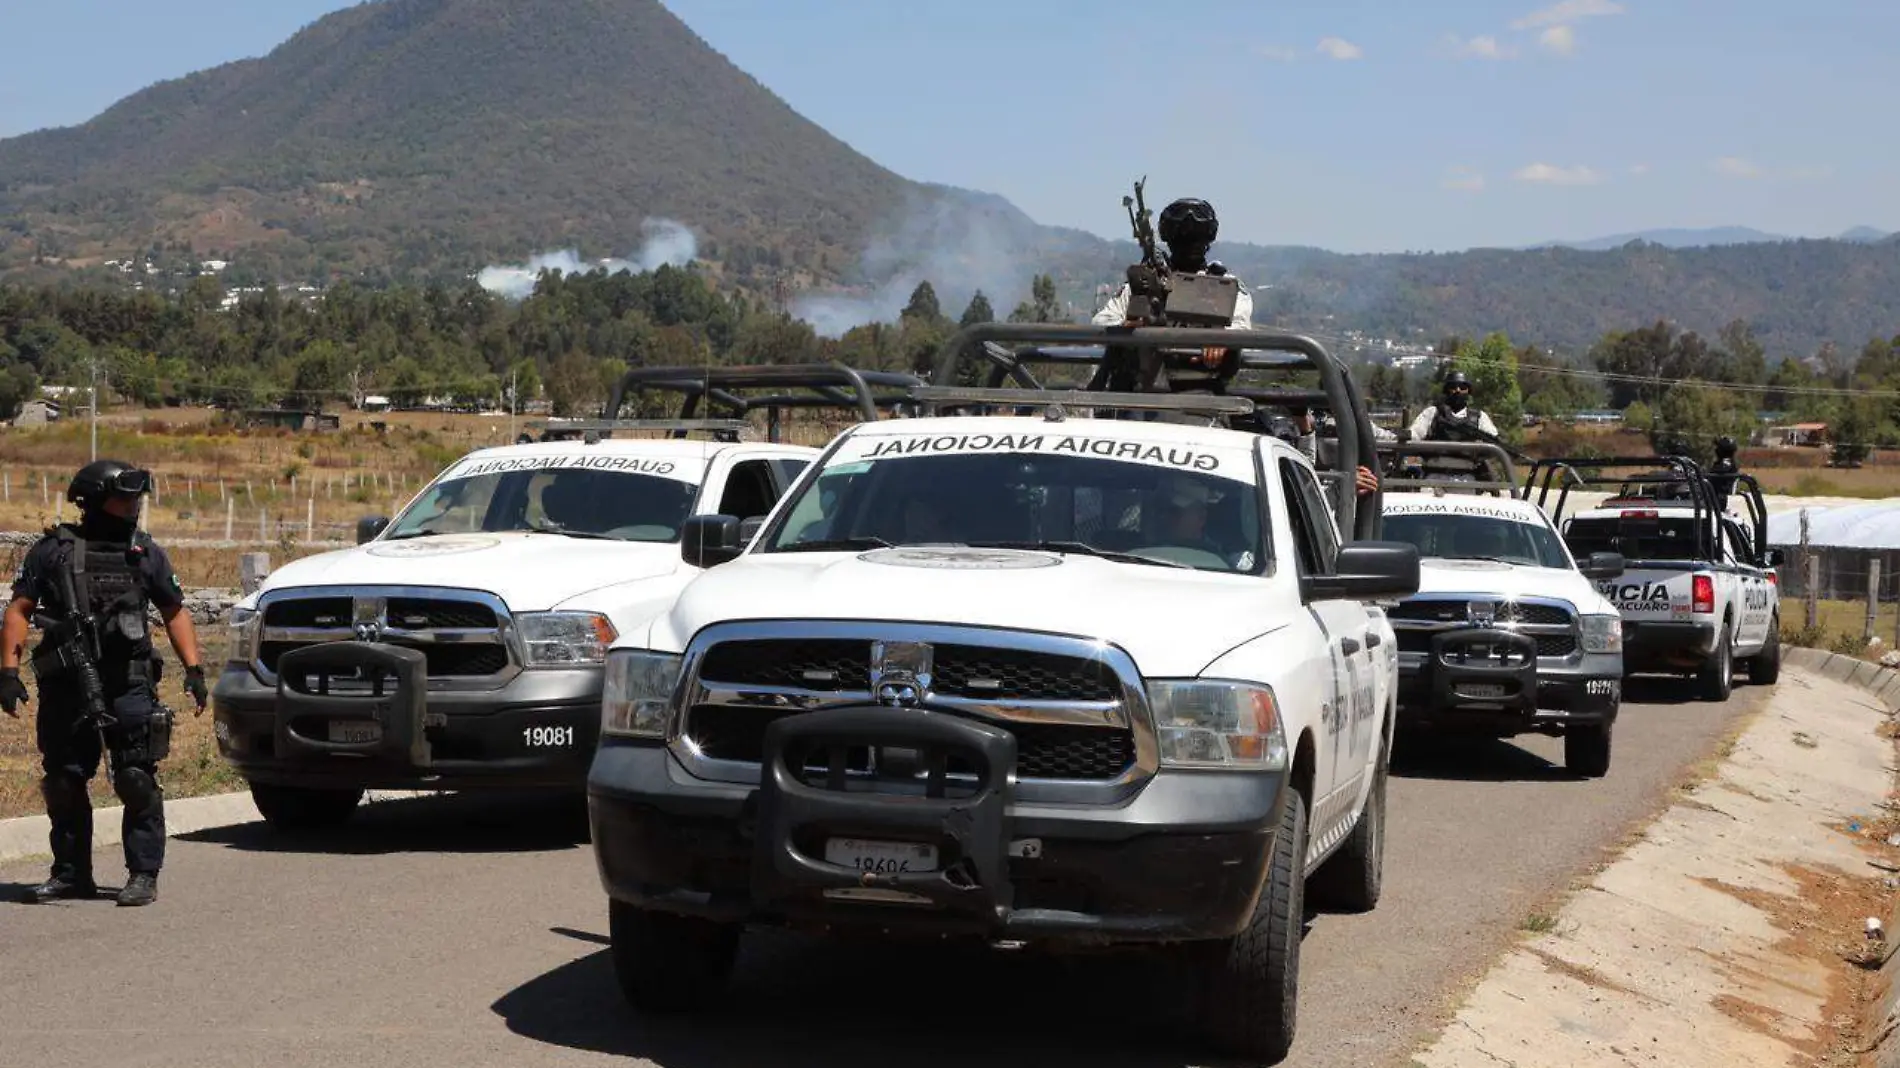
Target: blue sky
x=1351, y=124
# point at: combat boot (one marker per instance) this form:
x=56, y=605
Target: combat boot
x=140, y=889
x=60, y=886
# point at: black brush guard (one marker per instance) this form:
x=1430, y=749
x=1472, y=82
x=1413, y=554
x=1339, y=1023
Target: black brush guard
x=1484, y=656
x=970, y=831
x=396, y=700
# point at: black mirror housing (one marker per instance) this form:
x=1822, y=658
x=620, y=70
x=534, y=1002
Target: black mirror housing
x=369, y=526
x=1773, y=558
x=1367, y=571
x=749, y=528
x=710, y=540
x=1602, y=566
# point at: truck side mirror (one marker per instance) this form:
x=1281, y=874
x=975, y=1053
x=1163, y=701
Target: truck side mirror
x=1367, y=571
x=1602, y=566
x=710, y=540
x=369, y=526
x=1773, y=558
x=749, y=528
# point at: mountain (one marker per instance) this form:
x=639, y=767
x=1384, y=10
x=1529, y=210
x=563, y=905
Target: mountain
x=1863, y=235
x=430, y=139
x=410, y=136
x=1673, y=238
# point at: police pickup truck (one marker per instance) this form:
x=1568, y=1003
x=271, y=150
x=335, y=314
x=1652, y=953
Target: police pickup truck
x=461, y=645
x=1035, y=678
x=1699, y=591
x=1506, y=636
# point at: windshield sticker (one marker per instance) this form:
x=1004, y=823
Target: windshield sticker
x=1233, y=464
x=442, y=545
x=688, y=471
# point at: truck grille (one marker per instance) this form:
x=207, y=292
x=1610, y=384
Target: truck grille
x=1552, y=625
x=462, y=635
x=1073, y=705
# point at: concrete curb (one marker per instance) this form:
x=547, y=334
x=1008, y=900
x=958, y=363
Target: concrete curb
x=25, y=837
x=1882, y=683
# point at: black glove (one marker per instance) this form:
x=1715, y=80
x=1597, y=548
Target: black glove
x=12, y=690
x=195, y=685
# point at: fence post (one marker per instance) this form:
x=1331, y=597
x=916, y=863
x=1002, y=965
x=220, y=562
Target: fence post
x=252, y=567
x=310, y=520
x=230, y=509
x=1813, y=580
x=1873, y=597
x=262, y=519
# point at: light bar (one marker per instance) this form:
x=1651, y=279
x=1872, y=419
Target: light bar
x=1202, y=403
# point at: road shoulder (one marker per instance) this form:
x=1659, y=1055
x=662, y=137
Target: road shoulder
x=1733, y=930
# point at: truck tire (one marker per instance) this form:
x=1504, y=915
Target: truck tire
x=303, y=808
x=1765, y=667
x=1351, y=879
x=1716, y=680
x=1250, y=983
x=1587, y=749
x=669, y=963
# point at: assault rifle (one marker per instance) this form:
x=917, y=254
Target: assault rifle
x=76, y=648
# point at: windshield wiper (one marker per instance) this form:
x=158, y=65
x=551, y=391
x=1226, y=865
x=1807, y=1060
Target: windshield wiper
x=828, y=545
x=1081, y=549
x=419, y=532
x=543, y=528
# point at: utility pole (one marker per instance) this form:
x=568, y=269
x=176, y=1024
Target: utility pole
x=511, y=405
x=92, y=364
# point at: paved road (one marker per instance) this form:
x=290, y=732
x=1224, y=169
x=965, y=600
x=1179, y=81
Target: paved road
x=463, y=931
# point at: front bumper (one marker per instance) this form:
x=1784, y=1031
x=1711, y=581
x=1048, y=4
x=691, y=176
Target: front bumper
x=538, y=730
x=1520, y=695
x=1667, y=643
x=1184, y=858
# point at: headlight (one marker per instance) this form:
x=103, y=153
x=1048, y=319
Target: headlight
x=1204, y=724
x=637, y=694
x=1602, y=634
x=241, y=638
x=564, y=639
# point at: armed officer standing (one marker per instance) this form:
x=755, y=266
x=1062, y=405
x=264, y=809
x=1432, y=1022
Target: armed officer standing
x=91, y=584
x=1452, y=419
x=1188, y=227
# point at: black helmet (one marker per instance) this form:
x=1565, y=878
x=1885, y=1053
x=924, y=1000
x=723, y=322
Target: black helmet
x=1188, y=222
x=1457, y=378
x=101, y=478
x=1725, y=446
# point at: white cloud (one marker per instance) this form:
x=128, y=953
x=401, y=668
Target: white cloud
x=1481, y=47
x=1567, y=11
x=1339, y=48
x=1463, y=178
x=1550, y=174
x=1276, y=53
x=1736, y=167
x=1559, y=39
x=1639, y=168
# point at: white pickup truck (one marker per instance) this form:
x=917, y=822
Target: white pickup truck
x=1036, y=678
x=461, y=645
x=1698, y=592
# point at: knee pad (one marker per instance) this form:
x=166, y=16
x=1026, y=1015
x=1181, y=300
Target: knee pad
x=136, y=787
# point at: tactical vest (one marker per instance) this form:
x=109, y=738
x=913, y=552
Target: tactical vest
x=106, y=577
x=1441, y=430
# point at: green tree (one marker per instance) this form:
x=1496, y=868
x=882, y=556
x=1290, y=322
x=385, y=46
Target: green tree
x=1693, y=414
x=923, y=304
x=978, y=311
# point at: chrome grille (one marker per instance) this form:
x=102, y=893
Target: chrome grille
x=1076, y=706
x=465, y=635
x=1551, y=623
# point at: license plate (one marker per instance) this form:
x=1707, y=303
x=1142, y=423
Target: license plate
x=884, y=858
x=1482, y=689
x=355, y=731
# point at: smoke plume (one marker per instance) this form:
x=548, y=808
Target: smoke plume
x=664, y=242
x=957, y=242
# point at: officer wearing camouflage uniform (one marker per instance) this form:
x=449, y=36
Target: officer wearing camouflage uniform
x=116, y=572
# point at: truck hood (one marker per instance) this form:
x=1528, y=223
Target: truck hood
x=531, y=572
x=1173, y=621
x=1441, y=575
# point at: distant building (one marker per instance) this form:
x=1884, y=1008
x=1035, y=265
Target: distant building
x=37, y=413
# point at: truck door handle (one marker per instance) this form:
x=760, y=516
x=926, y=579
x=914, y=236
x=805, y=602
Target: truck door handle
x=1350, y=645
x=1373, y=639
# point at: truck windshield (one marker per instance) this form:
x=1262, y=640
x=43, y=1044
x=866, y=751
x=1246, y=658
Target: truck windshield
x=1645, y=536
x=578, y=502
x=1450, y=536
x=1158, y=513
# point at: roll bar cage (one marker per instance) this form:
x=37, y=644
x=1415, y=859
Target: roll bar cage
x=722, y=393
x=1707, y=502
x=1495, y=456
x=1005, y=352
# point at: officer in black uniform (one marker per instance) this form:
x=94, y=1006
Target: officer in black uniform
x=115, y=572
